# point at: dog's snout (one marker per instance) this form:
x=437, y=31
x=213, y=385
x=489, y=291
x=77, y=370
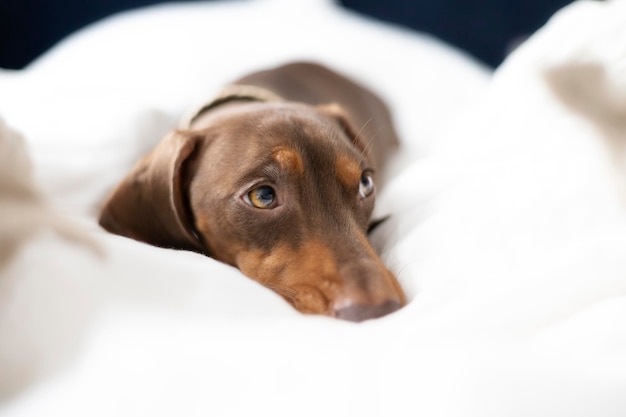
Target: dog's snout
x=361, y=312
x=369, y=291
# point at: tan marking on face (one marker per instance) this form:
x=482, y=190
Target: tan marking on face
x=309, y=276
x=348, y=171
x=306, y=276
x=289, y=159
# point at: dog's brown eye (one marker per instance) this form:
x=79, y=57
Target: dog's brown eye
x=262, y=197
x=366, y=187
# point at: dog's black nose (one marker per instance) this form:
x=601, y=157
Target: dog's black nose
x=361, y=312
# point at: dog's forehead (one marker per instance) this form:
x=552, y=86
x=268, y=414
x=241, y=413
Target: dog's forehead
x=290, y=134
x=282, y=122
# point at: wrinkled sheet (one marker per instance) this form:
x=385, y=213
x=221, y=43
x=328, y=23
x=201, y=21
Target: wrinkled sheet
x=508, y=230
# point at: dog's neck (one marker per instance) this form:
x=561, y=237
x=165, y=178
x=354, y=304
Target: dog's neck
x=231, y=93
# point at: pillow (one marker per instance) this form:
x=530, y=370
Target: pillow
x=508, y=234
x=94, y=104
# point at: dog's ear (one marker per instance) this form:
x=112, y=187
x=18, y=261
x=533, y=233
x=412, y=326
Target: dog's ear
x=150, y=204
x=338, y=113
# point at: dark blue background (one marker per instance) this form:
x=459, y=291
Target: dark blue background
x=484, y=28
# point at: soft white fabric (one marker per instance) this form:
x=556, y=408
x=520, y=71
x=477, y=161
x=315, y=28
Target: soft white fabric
x=508, y=231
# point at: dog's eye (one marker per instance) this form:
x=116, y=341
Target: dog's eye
x=366, y=187
x=262, y=197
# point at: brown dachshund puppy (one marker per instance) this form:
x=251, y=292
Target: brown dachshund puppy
x=275, y=176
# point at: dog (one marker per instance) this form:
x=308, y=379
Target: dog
x=276, y=176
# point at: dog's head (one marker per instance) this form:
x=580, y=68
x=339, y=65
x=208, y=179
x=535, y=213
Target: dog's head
x=283, y=191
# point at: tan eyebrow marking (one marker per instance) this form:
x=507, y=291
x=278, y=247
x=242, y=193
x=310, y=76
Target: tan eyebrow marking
x=289, y=159
x=348, y=171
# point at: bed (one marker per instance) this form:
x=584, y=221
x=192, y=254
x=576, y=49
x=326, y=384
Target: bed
x=507, y=228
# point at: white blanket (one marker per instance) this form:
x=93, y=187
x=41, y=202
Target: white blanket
x=508, y=230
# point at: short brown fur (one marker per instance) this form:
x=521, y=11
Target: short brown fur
x=348, y=171
x=311, y=150
x=289, y=159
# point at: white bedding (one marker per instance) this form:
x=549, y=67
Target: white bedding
x=508, y=231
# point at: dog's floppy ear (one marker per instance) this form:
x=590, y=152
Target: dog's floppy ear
x=150, y=203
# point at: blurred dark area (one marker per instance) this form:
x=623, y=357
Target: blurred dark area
x=486, y=29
